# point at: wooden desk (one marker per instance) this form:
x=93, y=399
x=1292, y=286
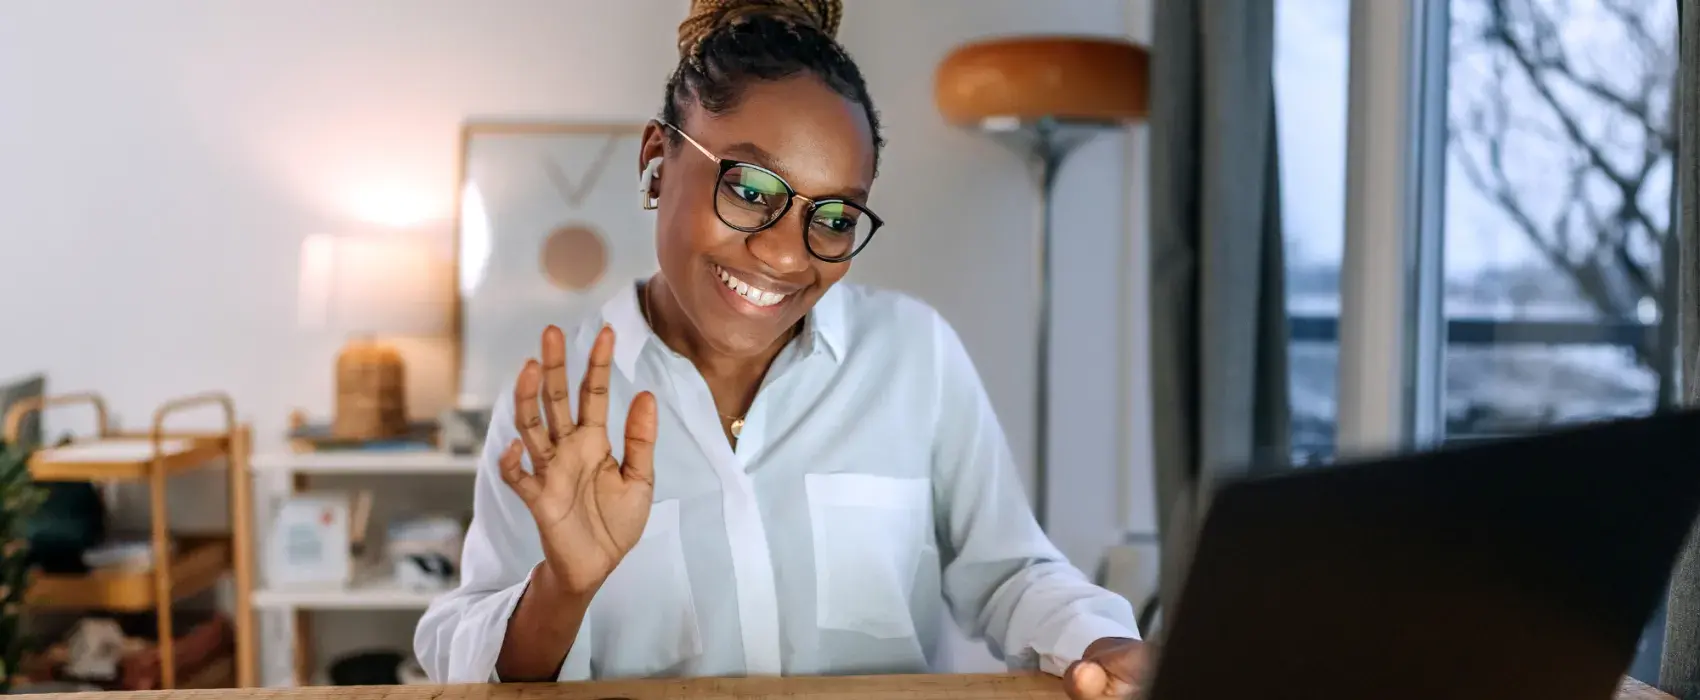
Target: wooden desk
x=934, y=687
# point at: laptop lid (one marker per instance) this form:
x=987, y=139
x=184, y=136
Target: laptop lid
x=1522, y=568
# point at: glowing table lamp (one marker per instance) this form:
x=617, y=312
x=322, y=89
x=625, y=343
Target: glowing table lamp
x=1043, y=96
x=372, y=288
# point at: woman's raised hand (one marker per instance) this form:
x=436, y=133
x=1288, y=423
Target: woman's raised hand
x=590, y=509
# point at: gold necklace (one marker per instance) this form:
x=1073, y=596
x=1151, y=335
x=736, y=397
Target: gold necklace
x=736, y=423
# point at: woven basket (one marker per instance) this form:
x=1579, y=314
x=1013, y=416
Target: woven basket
x=371, y=392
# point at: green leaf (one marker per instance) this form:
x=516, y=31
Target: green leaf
x=19, y=500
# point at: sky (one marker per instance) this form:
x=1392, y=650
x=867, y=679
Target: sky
x=1311, y=78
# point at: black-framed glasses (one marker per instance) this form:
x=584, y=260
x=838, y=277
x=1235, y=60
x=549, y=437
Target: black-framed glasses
x=751, y=198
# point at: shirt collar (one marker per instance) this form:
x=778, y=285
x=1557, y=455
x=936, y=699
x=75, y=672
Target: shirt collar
x=825, y=324
x=631, y=332
x=823, y=329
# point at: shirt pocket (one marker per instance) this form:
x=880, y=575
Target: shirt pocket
x=870, y=533
x=648, y=618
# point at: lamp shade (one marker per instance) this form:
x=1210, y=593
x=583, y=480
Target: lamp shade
x=1029, y=78
x=385, y=284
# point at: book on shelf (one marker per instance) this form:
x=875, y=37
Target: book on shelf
x=310, y=436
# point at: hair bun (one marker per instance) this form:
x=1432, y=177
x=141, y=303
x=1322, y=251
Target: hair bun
x=709, y=15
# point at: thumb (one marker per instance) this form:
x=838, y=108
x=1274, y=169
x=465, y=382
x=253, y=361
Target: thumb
x=640, y=440
x=1090, y=680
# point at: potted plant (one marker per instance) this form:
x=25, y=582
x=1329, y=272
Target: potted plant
x=19, y=499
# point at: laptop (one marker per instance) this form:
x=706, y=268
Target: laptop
x=1526, y=568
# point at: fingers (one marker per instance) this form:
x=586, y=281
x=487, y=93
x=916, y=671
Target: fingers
x=1085, y=679
x=556, y=412
x=1124, y=661
x=527, y=421
x=640, y=440
x=513, y=472
x=593, y=391
x=1112, y=668
x=1089, y=680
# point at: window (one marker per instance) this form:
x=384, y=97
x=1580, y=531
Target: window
x=1558, y=210
x=1311, y=39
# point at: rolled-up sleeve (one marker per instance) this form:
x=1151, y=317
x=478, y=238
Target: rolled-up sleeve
x=460, y=635
x=1004, y=580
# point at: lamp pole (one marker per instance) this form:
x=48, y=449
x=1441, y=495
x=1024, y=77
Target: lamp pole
x=1045, y=143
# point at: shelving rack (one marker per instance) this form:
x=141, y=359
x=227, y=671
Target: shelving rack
x=281, y=473
x=197, y=565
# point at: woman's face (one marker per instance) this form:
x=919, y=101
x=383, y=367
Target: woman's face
x=820, y=143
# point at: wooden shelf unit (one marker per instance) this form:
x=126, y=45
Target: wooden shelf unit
x=123, y=458
x=196, y=567
x=177, y=573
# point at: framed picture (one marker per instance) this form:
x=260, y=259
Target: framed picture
x=550, y=225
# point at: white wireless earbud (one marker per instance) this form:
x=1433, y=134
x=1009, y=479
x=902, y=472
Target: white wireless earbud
x=651, y=173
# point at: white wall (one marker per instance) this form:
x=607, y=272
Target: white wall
x=160, y=163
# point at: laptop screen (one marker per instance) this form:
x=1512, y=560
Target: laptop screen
x=1524, y=568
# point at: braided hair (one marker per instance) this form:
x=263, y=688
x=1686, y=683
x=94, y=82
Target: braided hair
x=726, y=44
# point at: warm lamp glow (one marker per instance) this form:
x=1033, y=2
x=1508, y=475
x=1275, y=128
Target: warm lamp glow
x=394, y=206
x=318, y=265
x=474, y=238
x=381, y=284
x=1031, y=78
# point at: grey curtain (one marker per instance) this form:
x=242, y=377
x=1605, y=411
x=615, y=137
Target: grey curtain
x=1679, y=665
x=1218, y=316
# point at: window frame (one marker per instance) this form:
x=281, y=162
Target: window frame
x=1391, y=331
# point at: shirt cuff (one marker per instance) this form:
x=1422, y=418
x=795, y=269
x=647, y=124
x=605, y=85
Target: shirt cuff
x=501, y=608
x=506, y=614
x=1076, y=636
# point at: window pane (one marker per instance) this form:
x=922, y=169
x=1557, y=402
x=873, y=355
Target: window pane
x=1534, y=386
x=1557, y=209
x=1311, y=39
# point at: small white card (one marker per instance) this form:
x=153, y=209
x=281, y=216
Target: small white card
x=309, y=542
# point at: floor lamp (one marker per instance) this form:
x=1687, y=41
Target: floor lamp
x=1044, y=97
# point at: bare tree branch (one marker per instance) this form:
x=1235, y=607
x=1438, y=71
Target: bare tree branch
x=1593, y=242
x=1532, y=39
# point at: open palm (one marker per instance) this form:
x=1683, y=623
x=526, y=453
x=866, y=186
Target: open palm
x=590, y=509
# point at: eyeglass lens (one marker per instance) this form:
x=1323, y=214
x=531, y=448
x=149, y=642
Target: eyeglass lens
x=749, y=198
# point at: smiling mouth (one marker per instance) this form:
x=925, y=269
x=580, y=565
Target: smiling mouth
x=756, y=296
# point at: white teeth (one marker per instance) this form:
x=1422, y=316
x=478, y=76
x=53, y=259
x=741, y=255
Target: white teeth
x=751, y=294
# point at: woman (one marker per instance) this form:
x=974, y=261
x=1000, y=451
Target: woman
x=808, y=469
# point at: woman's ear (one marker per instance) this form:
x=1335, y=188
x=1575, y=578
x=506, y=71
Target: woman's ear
x=649, y=161
x=646, y=182
x=654, y=144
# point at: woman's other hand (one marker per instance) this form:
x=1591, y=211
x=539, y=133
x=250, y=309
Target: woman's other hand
x=590, y=509
x=1110, y=668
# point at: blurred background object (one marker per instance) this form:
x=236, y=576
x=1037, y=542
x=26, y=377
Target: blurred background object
x=1043, y=97
x=371, y=288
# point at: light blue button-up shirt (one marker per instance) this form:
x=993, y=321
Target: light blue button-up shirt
x=870, y=486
